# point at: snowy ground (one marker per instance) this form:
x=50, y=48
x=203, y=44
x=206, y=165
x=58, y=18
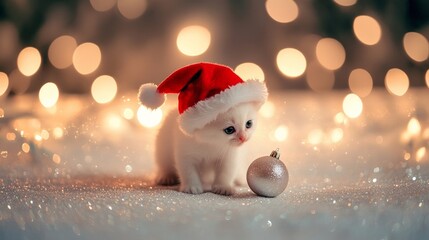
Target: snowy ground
x=106, y=208
x=364, y=178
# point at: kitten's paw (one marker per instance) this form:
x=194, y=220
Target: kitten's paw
x=240, y=182
x=223, y=190
x=167, y=179
x=191, y=189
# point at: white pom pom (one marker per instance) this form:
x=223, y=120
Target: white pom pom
x=150, y=97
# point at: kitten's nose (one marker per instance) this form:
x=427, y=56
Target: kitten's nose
x=242, y=138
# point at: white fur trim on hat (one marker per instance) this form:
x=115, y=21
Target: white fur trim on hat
x=150, y=97
x=206, y=111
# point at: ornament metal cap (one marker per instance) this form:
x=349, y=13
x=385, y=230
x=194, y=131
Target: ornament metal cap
x=275, y=153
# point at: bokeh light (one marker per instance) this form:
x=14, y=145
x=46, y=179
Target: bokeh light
x=340, y=118
x=396, y=82
x=281, y=133
x=345, y=3
x=132, y=9
x=416, y=46
x=4, y=83
x=49, y=94
x=86, y=58
x=29, y=61
x=128, y=113
x=104, y=89
x=282, y=11
x=102, y=5
x=337, y=135
x=25, y=147
x=414, y=127
x=291, y=62
x=367, y=29
x=319, y=79
x=352, y=105
x=128, y=168
x=58, y=132
x=249, y=71
x=420, y=154
x=113, y=122
x=149, y=118
x=427, y=78
x=330, y=53
x=61, y=51
x=56, y=158
x=193, y=40
x=360, y=82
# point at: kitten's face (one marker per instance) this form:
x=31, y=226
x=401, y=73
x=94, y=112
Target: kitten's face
x=234, y=127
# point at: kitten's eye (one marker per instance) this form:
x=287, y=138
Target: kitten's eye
x=249, y=124
x=229, y=130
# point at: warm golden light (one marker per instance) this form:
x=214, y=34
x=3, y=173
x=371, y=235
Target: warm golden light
x=281, y=133
x=367, y=29
x=149, y=118
x=25, y=147
x=104, y=89
x=414, y=128
x=58, y=133
x=291, y=62
x=330, y=53
x=319, y=79
x=132, y=9
x=10, y=136
x=128, y=168
x=267, y=110
x=102, y=5
x=29, y=61
x=4, y=83
x=352, y=105
x=86, y=58
x=416, y=46
x=49, y=94
x=337, y=135
x=113, y=122
x=193, y=40
x=315, y=136
x=420, y=154
x=44, y=134
x=427, y=78
x=340, y=118
x=56, y=158
x=345, y=3
x=128, y=113
x=283, y=11
x=249, y=71
x=360, y=82
x=396, y=82
x=61, y=51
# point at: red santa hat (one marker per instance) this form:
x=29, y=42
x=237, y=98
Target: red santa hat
x=205, y=91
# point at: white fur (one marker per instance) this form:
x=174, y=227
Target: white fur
x=207, y=110
x=208, y=159
x=150, y=97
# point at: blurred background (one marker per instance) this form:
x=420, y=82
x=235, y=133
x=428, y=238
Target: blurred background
x=68, y=46
x=348, y=109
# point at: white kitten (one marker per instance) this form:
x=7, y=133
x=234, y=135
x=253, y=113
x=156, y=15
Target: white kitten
x=208, y=159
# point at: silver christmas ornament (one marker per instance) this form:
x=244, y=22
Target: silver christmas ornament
x=268, y=176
